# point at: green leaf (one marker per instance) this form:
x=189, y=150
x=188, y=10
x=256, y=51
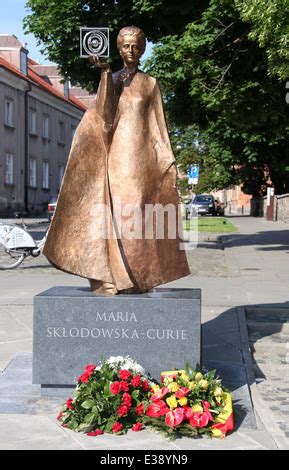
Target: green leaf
x=88, y=404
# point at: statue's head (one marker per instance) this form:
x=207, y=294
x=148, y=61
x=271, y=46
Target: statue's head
x=131, y=43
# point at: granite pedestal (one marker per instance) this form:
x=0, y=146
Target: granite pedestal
x=73, y=327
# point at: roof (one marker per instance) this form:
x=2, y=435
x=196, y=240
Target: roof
x=11, y=41
x=34, y=78
x=46, y=70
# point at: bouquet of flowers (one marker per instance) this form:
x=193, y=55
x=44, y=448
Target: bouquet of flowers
x=190, y=402
x=109, y=398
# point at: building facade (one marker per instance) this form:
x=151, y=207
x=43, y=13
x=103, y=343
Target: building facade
x=38, y=118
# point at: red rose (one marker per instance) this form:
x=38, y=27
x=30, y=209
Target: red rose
x=97, y=432
x=69, y=404
x=137, y=427
x=182, y=392
x=145, y=385
x=136, y=381
x=115, y=388
x=124, y=374
x=117, y=427
x=155, y=410
x=59, y=417
x=124, y=386
x=90, y=368
x=84, y=377
x=122, y=410
x=126, y=398
x=140, y=409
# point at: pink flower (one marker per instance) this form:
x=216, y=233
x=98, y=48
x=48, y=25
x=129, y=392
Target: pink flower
x=155, y=410
x=59, y=417
x=188, y=412
x=175, y=417
x=126, y=398
x=140, y=409
x=136, y=381
x=157, y=396
x=199, y=420
x=182, y=392
x=137, y=427
x=115, y=388
x=97, y=432
x=124, y=374
x=124, y=386
x=206, y=405
x=117, y=427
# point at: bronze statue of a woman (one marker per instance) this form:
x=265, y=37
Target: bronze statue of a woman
x=121, y=152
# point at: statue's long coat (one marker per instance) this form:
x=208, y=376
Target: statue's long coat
x=121, y=152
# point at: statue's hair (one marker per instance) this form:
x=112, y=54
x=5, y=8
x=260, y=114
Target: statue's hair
x=132, y=31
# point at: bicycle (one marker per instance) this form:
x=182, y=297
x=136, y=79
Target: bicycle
x=16, y=244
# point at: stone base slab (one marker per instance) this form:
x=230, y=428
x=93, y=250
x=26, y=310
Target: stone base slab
x=161, y=330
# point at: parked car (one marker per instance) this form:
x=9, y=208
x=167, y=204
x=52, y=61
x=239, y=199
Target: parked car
x=204, y=204
x=51, y=208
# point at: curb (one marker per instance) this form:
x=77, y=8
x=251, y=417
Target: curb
x=259, y=406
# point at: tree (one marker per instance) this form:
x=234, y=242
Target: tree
x=215, y=75
x=56, y=24
x=270, y=28
x=213, y=58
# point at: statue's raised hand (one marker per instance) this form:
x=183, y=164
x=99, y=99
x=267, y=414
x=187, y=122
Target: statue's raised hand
x=102, y=64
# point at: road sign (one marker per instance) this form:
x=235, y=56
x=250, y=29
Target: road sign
x=193, y=174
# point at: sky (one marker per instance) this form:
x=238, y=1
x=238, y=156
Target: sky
x=12, y=13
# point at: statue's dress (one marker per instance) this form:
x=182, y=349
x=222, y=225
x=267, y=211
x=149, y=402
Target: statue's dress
x=121, y=154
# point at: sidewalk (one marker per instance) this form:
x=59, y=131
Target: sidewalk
x=248, y=268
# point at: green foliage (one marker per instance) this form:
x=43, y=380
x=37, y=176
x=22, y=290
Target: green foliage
x=270, y=28
x=220, y=64
x=96, y=405
x=215, y=76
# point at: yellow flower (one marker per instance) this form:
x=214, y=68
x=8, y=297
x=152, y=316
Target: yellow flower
x=173, y=387
x=185, y=377
x=217, y=433
x=197, y=408
x=199, y=376
x=168, y=380
x=192, y=385
x=204, y=384
x=156, y=388
x=172, y=402
x=183, y=401
x=218, y=392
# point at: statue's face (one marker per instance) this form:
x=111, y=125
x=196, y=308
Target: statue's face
x=130, y=50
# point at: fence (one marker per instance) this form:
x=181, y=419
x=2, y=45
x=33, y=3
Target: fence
x=278, y=209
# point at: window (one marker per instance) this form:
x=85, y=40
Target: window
x=60, y=174
x=45, y=132
x=45, y=175
x=9, y=169
x=9, y=111
x=61, y=136
x=32, y=172
x=33, y=122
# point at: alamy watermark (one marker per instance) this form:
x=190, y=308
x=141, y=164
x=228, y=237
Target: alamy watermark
x=147, y=222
